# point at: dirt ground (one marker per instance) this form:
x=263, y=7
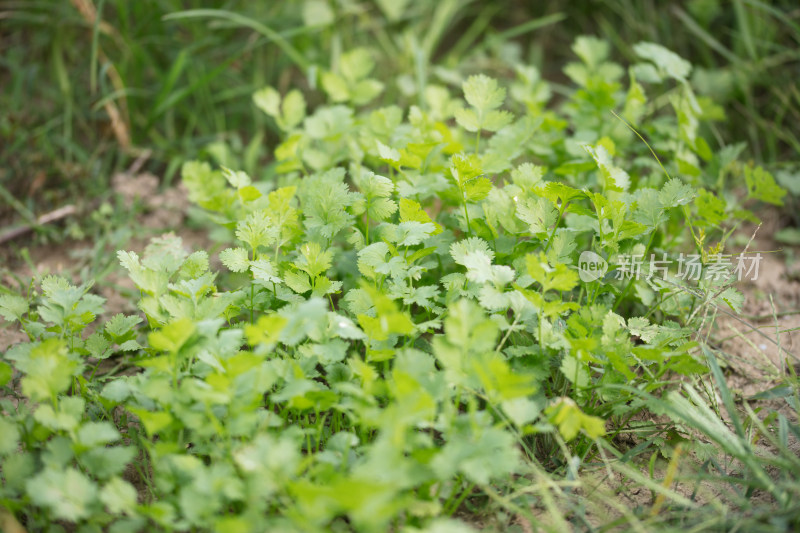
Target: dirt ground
x=764, y=339
x=152, y=213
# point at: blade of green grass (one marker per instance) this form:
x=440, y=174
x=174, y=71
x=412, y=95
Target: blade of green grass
x=295, y=55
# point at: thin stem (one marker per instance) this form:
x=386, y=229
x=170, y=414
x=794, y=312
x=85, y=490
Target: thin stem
x=455, y=505
x=555, y=227
x=633, y=276
x=466, y=216
x=505, y=338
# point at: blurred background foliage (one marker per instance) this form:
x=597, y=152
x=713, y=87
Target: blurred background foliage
x=89, y=86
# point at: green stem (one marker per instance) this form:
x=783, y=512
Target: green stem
x=455, y=505
x=633, y=276
x=466, y=216
x=555, y=227
x=252, y=302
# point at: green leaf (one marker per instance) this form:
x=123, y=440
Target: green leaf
x=9, y=436
x=668, y=62
x=371, y=257
x=236, y=259
x=570, y=420
x=66, y=418
x=97, y=345
x=173, y=336
x=94, y=434
x=268, y=100
x=468, y=119
x=257, y=230
x=464, y=168
x=482, y=93
x=412, y=233
x=559, y=278
x=675, y=193
x=460, y=249
x=266, y=330
x=411, y=211
x=591, y=50
x=335, y=86
x=477, y=189
x=521, y=410
x=614, y=177
x=478, y=451
x=105, y=462
x=264, y=271
x=297, y=281
x=12, y=307
x=236, y=178
x=293, y=110
x=761, y=186
x=351, y=83
x=313, y=260
x=6, y=373
x=153, y=422
x=49, y=370
x=388, y=320
x=527, y=176
x=68, y=494
x=206, y=186
x=120, y=327
x=538, y=212
x=500, y=382
x=356, y=64
x=496, y=120
x=119, y=496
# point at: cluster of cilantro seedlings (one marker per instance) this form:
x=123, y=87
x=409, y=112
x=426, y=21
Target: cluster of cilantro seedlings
x=399, y=336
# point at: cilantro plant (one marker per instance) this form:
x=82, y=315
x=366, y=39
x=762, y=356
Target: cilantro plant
x=399, y=326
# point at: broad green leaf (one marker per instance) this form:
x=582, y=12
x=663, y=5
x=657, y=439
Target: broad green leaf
x=264, y=271
x=119, y=496
x=9, y=437
x=265, y=331
x=297, y=281
x=6, y=373
x=94, y=434
x=527, y=176
x=68, y=494
x=477, y=189
x=411, y=211
x=256, y=230
x=173, y=336
x=236, y=259
x=761, y=186
x=12, y=307
x=614, y=178
x=268, y=100
x=675, y=193
x=668, y=62
x=49, y=371
x=570, y=420
x=293, y=110
x=482, y=93
x=538, y=212
x=559, y=278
